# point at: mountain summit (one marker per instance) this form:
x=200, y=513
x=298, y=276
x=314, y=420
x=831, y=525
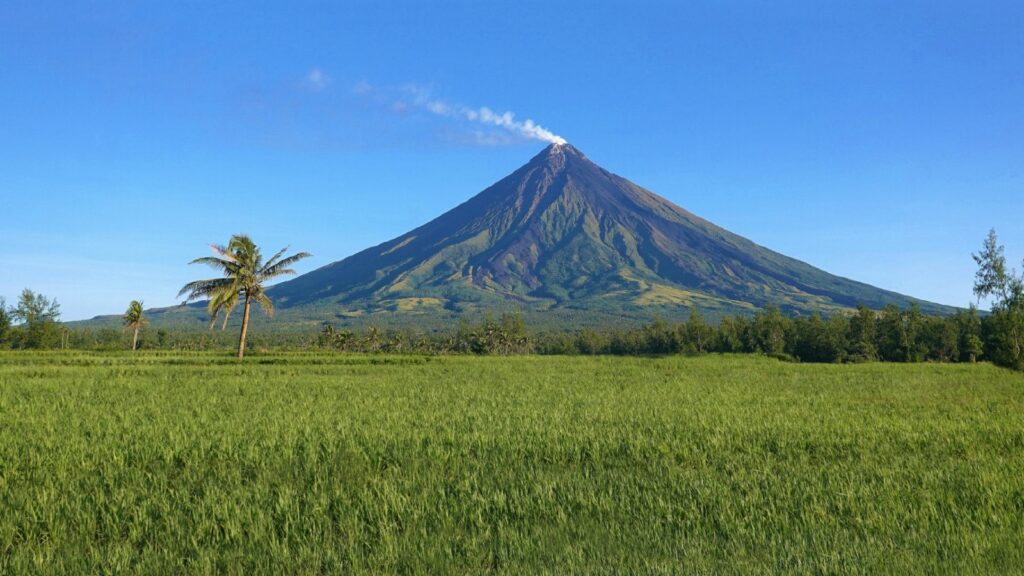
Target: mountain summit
x=565, y=237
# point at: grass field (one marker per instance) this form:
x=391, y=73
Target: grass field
x=194, y=464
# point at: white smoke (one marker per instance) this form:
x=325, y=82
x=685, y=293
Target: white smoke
x=421, y=98
x=527, y=128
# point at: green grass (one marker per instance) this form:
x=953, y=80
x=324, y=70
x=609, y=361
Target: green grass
x=300, y=463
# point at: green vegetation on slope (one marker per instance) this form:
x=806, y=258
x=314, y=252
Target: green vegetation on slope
x=159, y=463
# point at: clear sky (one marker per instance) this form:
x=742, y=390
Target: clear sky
x=876, y=140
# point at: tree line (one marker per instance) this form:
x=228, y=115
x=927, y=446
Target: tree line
x=890, y=335
x=862, y=335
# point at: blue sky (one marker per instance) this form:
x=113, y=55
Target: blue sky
x=877, y=140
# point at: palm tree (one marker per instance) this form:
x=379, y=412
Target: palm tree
x=244, y=274
x=134, y=320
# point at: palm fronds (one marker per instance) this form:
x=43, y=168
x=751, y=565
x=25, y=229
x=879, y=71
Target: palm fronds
x=244, y=273
x=134, y=316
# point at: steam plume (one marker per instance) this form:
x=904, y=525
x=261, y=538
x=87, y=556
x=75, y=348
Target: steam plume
x=527, y=128
x=419, y=97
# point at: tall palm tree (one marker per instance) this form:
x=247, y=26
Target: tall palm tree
x=244, y=274
x=134, y=320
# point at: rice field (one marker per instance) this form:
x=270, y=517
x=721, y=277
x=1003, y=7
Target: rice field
x=342, y=464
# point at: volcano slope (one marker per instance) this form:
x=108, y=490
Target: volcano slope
x=566, y=241
x=568, y=244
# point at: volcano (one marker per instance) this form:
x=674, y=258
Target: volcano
x=563, y=239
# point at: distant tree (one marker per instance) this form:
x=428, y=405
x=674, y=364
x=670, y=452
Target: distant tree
x=992, y=277
x=889, y=335
x=396, y=342
x=34, y=307
x=109, y=338
x=343, y=339
x=590, y=342
x=244, y=273
x=913, y=320
x=659, y=338
x=463, y=337
x=838, y=336
x=969, y=343
x=861, y=340
x=814, y=341
x=975, y=347
x=326, y=337
x=372, y=342
x=39, y=318
x=769, y=331
x=559, y=343
x=513, y=337
x=134, y=319
x=940, y=339
x=1006, y=324
x=729, y=337
x=698, y=333
x=5, y=320
x=629, y=342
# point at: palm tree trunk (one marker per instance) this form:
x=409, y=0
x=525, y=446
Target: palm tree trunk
x=135, y=338
x=245, y=328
